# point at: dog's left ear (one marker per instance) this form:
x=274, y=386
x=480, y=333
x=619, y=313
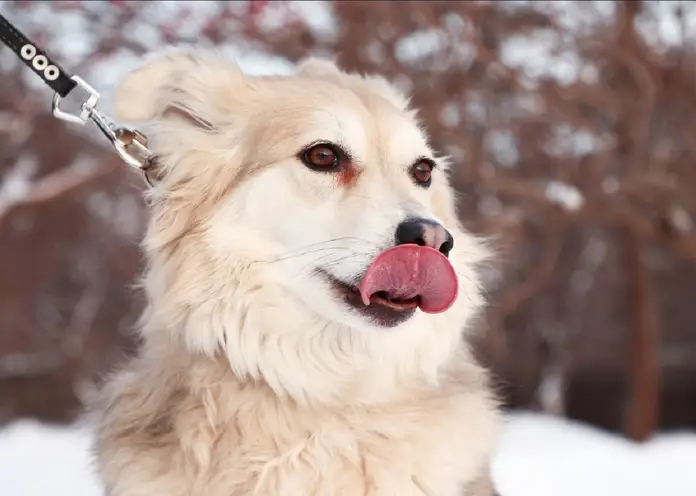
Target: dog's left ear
x=178, y=84
x=317, y=68
x=329, y=71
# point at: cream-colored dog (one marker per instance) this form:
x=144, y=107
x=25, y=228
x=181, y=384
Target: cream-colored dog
x=308, y=285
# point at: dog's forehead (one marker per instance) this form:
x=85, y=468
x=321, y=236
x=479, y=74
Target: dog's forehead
x=403, y=140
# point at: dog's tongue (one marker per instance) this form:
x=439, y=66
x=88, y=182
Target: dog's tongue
x=407, y=271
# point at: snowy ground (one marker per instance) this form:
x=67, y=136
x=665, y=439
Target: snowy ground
x=539, y=456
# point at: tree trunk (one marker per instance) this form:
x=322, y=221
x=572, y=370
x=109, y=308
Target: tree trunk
x=643, y=405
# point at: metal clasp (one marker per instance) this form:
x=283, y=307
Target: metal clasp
x=130, y=144
x=86, y=108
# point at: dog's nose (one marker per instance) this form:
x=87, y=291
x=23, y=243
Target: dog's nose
x=424, y=232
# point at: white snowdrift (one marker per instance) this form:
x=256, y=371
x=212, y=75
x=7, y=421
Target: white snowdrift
x=538, y=456
x=543, y=456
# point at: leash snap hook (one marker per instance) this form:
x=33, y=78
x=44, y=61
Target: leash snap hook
x=130, y=144
x=86, y=109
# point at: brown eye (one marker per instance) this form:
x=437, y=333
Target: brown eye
x=321, y=157
x=421, y=172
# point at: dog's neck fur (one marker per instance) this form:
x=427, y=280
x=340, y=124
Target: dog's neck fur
x=200, y=374
x=201, y=410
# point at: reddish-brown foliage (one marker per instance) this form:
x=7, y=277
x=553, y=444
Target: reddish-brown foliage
x=576, y=153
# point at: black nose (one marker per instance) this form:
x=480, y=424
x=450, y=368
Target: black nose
x=424, y=232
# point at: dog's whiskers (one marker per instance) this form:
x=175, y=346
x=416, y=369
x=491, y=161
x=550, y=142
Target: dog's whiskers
x=319, y=247
x=311, y=267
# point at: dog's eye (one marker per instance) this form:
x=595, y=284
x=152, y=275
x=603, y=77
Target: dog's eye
x=321, y=157
x=421, y=172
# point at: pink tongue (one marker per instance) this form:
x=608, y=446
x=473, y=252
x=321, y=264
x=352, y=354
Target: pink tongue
x=407, y=271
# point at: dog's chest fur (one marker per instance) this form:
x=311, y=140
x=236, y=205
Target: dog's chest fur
x=162, y=436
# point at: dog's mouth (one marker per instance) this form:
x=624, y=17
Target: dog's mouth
x=385, y=299
x=398, y=282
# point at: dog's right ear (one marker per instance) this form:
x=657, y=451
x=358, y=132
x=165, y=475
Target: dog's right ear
x=178, y=84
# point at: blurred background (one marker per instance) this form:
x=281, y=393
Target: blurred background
x=572, y=126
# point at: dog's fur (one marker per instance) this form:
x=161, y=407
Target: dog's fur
x=253, y=378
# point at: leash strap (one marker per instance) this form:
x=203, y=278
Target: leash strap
x=36, y=59
x=130, y=144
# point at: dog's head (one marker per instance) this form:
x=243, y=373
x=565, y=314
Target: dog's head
x=302, y=226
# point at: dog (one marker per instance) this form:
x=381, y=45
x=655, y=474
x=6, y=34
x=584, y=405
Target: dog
x=309, y=291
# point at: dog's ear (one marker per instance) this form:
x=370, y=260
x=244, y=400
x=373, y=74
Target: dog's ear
x=177, y=84
x=317, y=68
x=328, y=70
x=388, y=91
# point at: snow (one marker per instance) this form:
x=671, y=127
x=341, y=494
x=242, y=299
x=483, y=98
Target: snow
x=14, y=184
x=543, y=456
x=535, y=55
x=415, y=47
x=502, y=145
x=538, y=456
x=564, y=195
x=37, y=459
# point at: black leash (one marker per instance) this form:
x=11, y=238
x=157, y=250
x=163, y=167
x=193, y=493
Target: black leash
x=36, y=59
x=130, y=144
